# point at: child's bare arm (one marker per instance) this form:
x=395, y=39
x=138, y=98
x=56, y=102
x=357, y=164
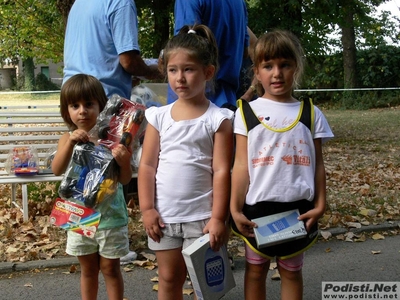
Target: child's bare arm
x=313, y=215
x=240, y=185
x=222, y=160
x=65, y=148
x=146, y=184
x=122, y=156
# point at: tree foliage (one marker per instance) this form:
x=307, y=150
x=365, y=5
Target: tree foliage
x=155, y=25
x=31, y=29
x=345, y=41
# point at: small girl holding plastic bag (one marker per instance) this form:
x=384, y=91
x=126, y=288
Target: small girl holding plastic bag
x=81, y=101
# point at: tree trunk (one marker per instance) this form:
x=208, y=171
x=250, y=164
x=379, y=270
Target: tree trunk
x=29, y=74
x=162, y=10
x=64, y=6
x=349, y=46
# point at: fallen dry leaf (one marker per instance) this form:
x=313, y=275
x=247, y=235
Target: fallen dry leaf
x=276, y=276
x=72, y=269
x=187, y=292
x=367, y=212
x=149, y=256
x=353, y=225
x=326, y=234
x=376, y=252
x=127, y=269
x=340, y=237
x=378, y=236
x=362, y=238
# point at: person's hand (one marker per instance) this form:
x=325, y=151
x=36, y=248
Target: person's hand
x=152, y=224
x=311, y=217
x=244, y=225
x=217, y=230
x=122, y=154
x=78, y=136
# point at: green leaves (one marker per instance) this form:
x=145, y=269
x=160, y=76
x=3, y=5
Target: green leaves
x=31, y=29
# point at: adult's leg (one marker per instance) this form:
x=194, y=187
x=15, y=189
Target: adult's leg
x=171, y=274
x=111, y=270
x=89, y=275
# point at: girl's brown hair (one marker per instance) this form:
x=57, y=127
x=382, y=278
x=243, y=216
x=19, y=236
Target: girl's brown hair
x=200, y=43
x=279, y=44
x=80, y=87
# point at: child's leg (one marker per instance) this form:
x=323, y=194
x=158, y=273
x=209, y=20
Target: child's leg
x=111, y=270
x=291, y=284
x=89, y=275
x=291, y=277
x=171, y=274
x=254, y=281
x=255, y=275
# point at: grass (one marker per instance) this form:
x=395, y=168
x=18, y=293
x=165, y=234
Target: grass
x=15, y=99
x=362, y=164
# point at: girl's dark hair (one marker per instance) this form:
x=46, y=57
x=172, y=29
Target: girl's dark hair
x=200, y=43
x=80, y=87
x=279, y=44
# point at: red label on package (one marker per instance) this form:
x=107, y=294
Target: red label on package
x=71, y=216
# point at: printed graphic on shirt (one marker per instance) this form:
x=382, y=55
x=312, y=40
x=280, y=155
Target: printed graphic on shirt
x=267, y=156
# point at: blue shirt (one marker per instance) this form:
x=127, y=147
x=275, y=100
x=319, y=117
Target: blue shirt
x=227, y=19
x=97, y=32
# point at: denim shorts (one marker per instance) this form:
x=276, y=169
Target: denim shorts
x=178, y=235
x=109, y=243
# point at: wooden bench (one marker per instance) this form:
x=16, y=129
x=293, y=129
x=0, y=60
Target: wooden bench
x=38, y=126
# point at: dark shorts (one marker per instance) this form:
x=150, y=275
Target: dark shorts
x=285, y=250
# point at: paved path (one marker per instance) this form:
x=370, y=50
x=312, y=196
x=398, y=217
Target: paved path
x=327, y=261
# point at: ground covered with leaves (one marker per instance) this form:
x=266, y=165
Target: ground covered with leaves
x=363, y=187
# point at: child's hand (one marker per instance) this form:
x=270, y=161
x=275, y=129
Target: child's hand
x=244, y=225
x=218, y=231
x=122, y=155
x=311, y=217
x=152, y=224
x=78, y=136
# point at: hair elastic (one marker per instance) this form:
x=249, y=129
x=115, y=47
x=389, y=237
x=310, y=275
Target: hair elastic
x=191, y=31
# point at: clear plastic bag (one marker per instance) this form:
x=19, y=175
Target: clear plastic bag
x=91, y=176
x=22, y=160
x=121, y=122
x=48, y=160
x=144, y=95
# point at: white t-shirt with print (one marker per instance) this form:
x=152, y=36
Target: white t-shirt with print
x=281, y=154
